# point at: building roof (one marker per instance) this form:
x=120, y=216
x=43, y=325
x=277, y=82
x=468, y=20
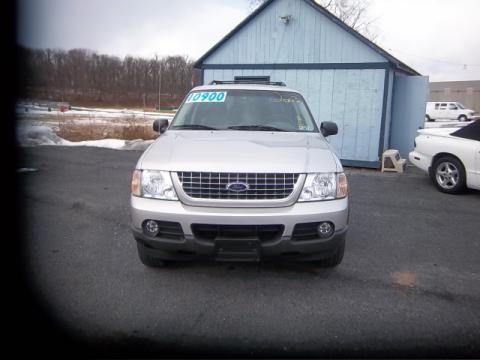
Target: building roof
x=393, y=60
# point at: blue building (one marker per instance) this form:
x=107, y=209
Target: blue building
x=377, y=101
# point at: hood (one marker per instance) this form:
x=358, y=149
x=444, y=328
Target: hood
x=240, y=151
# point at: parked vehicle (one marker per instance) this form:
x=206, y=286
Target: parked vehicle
x=451, y=157
x=243, y=173
x=449, y=111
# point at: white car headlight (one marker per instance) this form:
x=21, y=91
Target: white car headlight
x=153, y=184
x=324, y=186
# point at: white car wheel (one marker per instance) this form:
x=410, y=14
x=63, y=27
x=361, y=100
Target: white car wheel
x=449, y=175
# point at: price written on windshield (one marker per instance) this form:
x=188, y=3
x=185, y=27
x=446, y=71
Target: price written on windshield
x=207, y=97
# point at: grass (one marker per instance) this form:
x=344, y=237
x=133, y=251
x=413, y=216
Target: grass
x=80, y=127
x=78, y=132
x=94, y=126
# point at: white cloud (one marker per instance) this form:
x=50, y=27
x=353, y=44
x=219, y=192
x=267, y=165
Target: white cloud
x=436, y=37
x=136, y=27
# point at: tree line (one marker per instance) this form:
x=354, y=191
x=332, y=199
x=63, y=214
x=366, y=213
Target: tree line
x=83, y=77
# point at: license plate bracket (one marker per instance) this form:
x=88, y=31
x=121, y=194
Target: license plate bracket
x=244, y=249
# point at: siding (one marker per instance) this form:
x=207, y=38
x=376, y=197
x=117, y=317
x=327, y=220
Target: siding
x=351, y=98
x=310, y=37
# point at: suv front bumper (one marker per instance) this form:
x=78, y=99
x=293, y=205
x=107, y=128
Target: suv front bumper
x=191, y=247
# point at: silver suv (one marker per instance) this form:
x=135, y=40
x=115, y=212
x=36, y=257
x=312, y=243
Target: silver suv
x=242, y=173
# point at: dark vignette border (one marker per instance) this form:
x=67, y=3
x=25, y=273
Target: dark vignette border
x=33, y=328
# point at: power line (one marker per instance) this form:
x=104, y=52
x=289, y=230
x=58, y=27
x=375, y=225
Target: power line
x=436, y=60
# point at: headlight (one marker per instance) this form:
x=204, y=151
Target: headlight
x=153, y=184
x=324, y=186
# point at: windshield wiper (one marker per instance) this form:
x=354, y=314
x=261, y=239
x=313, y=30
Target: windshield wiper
x=193, y=127
x=255, y=127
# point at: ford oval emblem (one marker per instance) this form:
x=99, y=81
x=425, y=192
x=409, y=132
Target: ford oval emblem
x=237, y=186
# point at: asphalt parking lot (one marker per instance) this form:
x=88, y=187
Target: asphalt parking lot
x=409, y=283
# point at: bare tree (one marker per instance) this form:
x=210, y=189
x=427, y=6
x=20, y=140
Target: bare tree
x=84, y=76
x=354, y=13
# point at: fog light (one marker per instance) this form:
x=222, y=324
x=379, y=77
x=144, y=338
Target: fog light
x=150, y=228
x=325, y=229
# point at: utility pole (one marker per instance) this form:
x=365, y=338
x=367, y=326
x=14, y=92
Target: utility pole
x=159, y=84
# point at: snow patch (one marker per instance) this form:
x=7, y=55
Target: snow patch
x=24, y=170
x=445, y=124
x=35, y=135
x=137, y=144
x=29, y=110
x=38, y=135
x=104, y=143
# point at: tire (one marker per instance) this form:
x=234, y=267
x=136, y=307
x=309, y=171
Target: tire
x=427, y=118
x=337, y=258
x=449, y=175
x=462, y=118
x=147, y=259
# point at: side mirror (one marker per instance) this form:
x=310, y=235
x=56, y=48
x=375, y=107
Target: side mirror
x=160, y=125
x=328, y=128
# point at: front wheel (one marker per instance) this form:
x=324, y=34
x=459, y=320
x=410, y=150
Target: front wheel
x=449, y=175
x=337, y=258
x=147, y=259
x=462, y=118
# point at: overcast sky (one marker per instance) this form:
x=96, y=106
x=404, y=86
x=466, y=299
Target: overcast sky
x=439, y=38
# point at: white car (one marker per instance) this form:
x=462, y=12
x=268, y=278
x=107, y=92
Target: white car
x=451, y=157
x=449, y=111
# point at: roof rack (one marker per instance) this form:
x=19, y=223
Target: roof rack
x=259, y=82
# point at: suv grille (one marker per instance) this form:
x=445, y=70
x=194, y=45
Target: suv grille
x=261, y=186
x=212, y=232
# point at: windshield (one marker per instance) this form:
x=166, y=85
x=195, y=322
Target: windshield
x=255, y=110
x=460, y=106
